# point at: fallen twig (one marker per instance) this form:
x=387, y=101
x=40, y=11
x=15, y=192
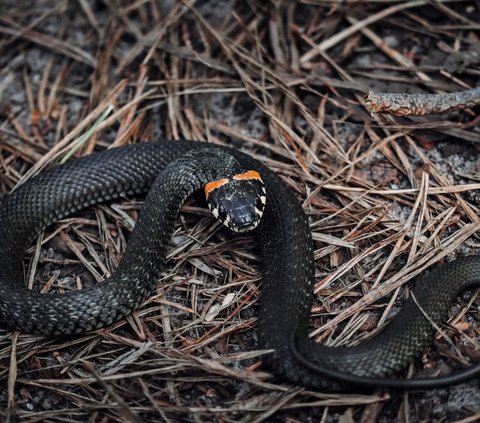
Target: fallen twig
x=421, y=104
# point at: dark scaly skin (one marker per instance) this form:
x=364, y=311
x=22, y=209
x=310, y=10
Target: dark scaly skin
x=380, y=355
x=288, y=264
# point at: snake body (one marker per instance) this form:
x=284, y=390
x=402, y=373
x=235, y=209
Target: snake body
x=283, y=236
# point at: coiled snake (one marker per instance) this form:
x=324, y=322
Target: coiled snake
x=287, y=252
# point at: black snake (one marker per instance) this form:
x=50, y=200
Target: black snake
x=287, y=253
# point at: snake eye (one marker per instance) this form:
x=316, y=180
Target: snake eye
x=239, y=202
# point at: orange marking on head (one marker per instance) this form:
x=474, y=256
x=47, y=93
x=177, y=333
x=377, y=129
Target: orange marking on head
x=212, y=186
x=251, y=174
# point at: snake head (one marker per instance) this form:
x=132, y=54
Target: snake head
x=237, y=202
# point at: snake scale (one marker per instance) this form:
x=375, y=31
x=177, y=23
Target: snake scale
x=285, y=243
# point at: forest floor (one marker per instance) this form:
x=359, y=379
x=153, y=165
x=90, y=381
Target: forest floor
x=386, y=197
